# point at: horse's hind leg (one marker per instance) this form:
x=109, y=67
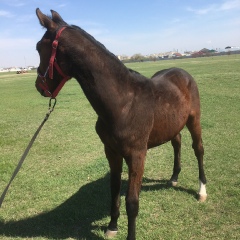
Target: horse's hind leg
x=115, y=162
x=195, y=129
x=176, y=143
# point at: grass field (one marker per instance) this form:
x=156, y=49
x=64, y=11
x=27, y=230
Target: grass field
x=62, y=190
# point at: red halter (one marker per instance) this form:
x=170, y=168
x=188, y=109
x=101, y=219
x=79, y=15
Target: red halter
x=53, y=63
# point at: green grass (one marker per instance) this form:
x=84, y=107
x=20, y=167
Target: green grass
x=62, y=190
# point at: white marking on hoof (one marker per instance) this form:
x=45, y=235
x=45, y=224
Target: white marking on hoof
x=174, y=184
x=110, y=234
x=202, y=198
x=202, y=192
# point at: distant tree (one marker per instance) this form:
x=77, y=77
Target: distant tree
x=152, y=58
x=137, y=57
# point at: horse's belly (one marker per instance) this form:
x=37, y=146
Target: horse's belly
x=158, y=138
x=166, y=128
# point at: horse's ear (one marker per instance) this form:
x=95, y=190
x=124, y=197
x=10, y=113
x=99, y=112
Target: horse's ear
x=46, y=21
x=57, y=18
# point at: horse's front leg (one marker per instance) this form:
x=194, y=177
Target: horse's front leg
x=135, y=171
x=115, y=162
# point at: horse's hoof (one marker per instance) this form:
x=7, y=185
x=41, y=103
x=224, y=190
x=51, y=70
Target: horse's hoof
x=172, y=183
x=202, y=198
x=110, y=234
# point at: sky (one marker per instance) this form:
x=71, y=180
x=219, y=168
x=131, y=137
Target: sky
x=125, y=27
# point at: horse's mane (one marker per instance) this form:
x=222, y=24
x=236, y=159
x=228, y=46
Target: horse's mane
x=94, y=41
x=133, y=71
x=89, y=37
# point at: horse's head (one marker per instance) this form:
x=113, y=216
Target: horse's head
x=53, y=70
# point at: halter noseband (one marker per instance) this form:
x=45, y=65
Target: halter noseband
x=53, y=63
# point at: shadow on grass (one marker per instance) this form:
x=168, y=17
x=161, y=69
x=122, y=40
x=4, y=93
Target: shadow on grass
x=76, y=217
x=154, y=185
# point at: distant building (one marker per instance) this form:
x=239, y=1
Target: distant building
x=123, y=57
x=229, y=48
x=14, y=69
x=176, y=55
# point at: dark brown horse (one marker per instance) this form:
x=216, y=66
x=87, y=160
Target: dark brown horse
x=134, y=113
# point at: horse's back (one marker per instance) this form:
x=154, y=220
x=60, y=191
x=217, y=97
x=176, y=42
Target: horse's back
x=175, y=82
x=176, y=76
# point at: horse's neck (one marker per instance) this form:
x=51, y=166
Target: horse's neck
x=105, y=82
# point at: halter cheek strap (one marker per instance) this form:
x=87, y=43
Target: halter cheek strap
x=52, y=61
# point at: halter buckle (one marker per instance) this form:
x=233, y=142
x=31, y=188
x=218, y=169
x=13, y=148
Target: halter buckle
x=55, y=44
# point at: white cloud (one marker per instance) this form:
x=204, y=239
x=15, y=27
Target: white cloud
x=84, y=23
x=16, y=3
x=202, y=11
x=225, y=6
x=62, y=5
x=6, y=14
x=97, y=31
x=25, y=18
x=175, y=20
x=10, y=43
x=229, y=5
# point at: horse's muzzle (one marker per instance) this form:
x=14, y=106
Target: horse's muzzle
x=42, y=88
